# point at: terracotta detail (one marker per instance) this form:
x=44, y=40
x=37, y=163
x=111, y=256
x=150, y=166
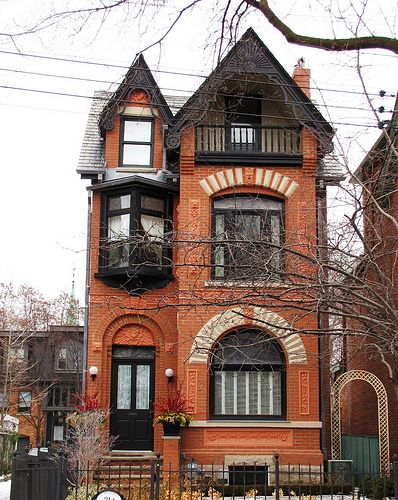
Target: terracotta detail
x=133, y=335
x=139, y=96
x=267, y=438
x=192, y=388
x=304, y=393
x=194, y=251
x=249, y=176
x=169, y=348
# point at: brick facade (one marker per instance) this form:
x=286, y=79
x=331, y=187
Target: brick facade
x=171, y=318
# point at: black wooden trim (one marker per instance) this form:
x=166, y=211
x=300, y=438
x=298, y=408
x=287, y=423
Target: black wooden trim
x=246, y=158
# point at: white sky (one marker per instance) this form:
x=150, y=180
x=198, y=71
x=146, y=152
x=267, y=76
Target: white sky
x=42, y=199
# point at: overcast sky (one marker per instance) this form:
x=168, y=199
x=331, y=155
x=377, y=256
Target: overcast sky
x=43, y=202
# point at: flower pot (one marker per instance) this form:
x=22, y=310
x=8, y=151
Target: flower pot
x=171, y=429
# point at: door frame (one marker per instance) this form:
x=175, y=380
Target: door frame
x=113, y=387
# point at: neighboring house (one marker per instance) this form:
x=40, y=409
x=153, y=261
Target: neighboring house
x=370, y=438
x=192, y=205
x=40, y=372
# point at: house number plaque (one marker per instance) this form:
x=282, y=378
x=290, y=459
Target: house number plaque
x=108, y=495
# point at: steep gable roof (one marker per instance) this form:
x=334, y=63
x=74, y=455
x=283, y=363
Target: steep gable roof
x=139, y=76
x=250, y=56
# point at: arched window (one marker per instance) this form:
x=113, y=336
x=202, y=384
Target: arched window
x=247, y=377
x=247, y=237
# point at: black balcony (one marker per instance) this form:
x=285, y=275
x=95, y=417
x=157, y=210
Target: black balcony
x=244, y=144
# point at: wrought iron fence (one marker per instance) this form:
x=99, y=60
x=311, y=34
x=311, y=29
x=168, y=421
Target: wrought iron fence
x=47, y=477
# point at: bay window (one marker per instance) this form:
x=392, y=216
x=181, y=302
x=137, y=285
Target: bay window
x=247, y=377
x=133, y=230
x=247, y=237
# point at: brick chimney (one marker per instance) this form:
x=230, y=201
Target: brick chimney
x=302, y=77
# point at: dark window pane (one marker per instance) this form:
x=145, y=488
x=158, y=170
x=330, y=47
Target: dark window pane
x=119, y=202
x=150, y=203
x=133, y=353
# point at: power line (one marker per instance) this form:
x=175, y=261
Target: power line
x=176, y=73
x=105, y=99
x=94, y=80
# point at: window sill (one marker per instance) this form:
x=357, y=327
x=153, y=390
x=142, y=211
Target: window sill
x=147, y=170
x=245, y=284
x=304, y=424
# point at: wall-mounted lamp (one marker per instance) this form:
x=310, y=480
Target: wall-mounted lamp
x=169, y=374
x=93, y=372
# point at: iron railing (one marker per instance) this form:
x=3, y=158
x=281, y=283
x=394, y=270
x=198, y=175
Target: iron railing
x=47, y=477
x=242, y=139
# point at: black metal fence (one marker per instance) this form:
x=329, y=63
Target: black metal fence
x=47, y=477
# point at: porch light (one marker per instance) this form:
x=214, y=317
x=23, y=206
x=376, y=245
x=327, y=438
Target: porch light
x=169, y=374
x=93, y=372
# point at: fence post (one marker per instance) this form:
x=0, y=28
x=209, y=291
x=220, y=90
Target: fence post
x=395, y=473
x=152, y=491
x=276, y=461
x=157, y=476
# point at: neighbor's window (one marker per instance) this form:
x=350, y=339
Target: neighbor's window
x=134, y=230
x=24, y=401
x=18, y=354
x=248, y=237
x=247, y=376
x=136, y=141
x=68, y=356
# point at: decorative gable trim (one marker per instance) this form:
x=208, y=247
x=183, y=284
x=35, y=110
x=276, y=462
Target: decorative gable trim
x=138, y=77
x=234, y=318
x=251, y=58
x=249, y=177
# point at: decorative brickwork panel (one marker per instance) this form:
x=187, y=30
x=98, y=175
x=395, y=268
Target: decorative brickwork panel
x=304, y=393
x=268, y=438
x=192, y=376
x=133, y=335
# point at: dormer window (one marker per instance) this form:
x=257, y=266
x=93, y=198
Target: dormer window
x=136, y=141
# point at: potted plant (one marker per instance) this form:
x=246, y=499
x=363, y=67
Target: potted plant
x=173, y=412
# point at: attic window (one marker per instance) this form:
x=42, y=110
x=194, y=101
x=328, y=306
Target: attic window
x=136, y=141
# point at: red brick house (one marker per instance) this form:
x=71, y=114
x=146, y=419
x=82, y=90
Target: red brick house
x=370, y=438
x=179, y=193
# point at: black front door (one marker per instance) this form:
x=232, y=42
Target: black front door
x=131, y=397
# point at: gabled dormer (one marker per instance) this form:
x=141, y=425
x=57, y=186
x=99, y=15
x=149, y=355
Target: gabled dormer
x=123, y=154
x=250, y=111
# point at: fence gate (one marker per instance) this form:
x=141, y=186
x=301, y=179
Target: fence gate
x=39, y=477
x=382, y=410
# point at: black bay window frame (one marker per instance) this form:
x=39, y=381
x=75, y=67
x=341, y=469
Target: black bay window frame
x=230, y=212
x=245, y=367
x=122, y=142
x=134, y=212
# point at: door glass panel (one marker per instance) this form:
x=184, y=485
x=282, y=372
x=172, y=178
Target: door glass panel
x=133, y=352
x=142, y=389
x=123, y=387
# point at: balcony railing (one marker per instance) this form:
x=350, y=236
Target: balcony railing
x=248, y=140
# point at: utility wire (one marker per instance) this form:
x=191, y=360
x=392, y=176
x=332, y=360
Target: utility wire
x=168, y=89
x=106, y=100
x=177, y=73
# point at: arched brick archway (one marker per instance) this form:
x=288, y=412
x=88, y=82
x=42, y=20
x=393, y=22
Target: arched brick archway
x=249, y=177
x=382, y=411
x=236, y=317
